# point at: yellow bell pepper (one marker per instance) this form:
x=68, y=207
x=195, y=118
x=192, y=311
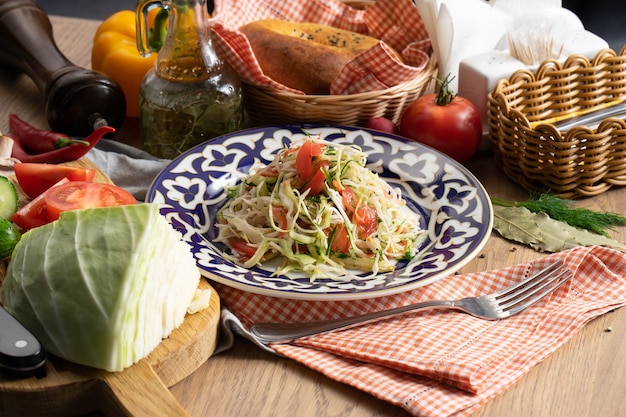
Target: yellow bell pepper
x=115, y=53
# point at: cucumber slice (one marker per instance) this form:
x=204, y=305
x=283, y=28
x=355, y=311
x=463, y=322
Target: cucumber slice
x=8, y=198
x=9, y=236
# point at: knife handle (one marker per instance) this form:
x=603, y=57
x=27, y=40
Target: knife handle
x=76, y=98
x=20, y=351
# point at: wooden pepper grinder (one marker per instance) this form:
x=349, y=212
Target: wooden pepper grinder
x=77, y=99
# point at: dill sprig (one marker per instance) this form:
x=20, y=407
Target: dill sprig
x=563, y=210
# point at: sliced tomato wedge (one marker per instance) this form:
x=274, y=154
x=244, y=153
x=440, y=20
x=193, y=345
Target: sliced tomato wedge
x=364, y=216
x=242, y=248
x=77, y=195
x=304, y=158
x=280, y=216
x=35, y=213
x=318, y=179
x=349, y=200
x=366, y=220
x=35, y=178
x=340, y=240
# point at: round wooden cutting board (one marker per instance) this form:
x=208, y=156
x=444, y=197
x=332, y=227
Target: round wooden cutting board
x=68, y=389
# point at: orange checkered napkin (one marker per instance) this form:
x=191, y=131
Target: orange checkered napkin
x=438, y=362
x=396, y=22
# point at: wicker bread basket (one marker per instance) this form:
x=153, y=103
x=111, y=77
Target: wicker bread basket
x=523, y=110
x=271, y=106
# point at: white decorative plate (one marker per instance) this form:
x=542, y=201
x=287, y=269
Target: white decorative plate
x=454, y=206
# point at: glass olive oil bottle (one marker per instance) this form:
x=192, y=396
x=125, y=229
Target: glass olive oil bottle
x=191, y=95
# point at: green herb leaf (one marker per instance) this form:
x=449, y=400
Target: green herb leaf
x=564, y=210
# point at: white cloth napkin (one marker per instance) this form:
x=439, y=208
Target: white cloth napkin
x=463, y=28
x=460, y=28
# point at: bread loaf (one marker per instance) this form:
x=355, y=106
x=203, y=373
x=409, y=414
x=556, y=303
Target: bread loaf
x=303, y=56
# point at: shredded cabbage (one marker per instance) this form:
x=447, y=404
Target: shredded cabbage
x=102, y=287
x=273, y=213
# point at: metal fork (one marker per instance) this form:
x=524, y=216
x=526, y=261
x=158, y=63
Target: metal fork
x=498, y=305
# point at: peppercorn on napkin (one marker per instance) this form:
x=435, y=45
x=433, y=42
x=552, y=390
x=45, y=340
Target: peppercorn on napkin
x=396, y=22
x=437, y=362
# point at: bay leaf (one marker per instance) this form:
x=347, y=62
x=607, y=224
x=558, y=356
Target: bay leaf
x=517, y=224
x=543, y=233
x=587, y=238
x=557, y=235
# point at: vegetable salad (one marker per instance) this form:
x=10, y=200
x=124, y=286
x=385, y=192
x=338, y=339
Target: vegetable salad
x=322, y=210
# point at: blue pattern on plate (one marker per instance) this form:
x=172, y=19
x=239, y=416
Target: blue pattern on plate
x=454, y=207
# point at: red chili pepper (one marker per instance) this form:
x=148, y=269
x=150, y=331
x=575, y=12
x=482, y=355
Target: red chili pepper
x=36, y=140
x=65, y=154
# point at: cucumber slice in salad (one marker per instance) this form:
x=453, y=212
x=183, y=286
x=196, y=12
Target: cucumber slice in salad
x=8, y=198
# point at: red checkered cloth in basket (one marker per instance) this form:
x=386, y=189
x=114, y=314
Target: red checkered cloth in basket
x=443, y=363
x=396, y=22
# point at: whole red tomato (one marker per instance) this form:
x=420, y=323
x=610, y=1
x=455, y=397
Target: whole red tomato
x=444, y=121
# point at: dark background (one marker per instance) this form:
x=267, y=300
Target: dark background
x=91, y=9
x=606, y=19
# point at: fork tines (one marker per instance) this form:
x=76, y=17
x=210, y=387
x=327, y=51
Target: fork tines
x=530, y=290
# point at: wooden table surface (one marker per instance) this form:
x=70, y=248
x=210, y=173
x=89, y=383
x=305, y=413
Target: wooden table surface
x=582, y=378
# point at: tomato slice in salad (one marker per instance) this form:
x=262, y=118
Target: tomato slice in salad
x=76, y=195
x=318, y=179
x=364, y=216
x=348, y=197
x=304, y=158
x=36, y=178
x=280, y=217
x=242, y=248
x=340, y=241
x=366, y=220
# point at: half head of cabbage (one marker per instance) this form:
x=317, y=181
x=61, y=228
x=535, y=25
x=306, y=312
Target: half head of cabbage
x=102, y=287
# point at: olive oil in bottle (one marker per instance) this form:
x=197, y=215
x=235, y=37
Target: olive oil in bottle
x=191, y=95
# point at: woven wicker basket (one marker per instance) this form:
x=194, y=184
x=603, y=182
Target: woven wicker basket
x=528, y=147
x=270, y=106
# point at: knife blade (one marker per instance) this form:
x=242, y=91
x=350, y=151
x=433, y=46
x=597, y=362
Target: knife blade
x=20, y=351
